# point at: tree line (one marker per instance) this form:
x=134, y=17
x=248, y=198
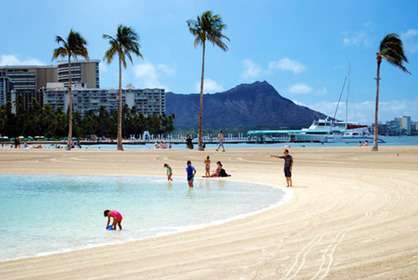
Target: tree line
x=53, y=124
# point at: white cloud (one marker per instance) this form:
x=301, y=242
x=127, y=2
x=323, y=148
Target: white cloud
x=209, y=86
x=287, y=64
x=10, y=59
x=299, y=88
x=410, y=39
x=166, y=69
x=363, y=111
x=251, y=69
x=410, y=33
x=149, y=75
x=359, y=38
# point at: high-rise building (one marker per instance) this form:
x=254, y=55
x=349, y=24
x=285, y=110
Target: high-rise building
x=414, y=128
x=84, y=73
x=21, y=85
x=5, y=88
x=146, y=101
x=405, y=124
x=399, y=126
x=25, y=83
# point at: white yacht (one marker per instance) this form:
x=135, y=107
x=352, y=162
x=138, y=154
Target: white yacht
x=332, y=131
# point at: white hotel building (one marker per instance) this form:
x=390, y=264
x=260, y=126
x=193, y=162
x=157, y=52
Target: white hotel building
x=146, y=101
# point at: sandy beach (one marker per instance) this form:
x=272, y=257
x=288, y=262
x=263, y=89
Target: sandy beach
x=353, y=215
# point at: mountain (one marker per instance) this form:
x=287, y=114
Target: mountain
x=246, y=106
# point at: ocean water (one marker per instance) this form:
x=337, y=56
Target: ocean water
x=45, y=214
x=389, y=141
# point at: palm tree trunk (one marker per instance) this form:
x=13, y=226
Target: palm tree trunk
x=376, y=112
x=120, y=146
x=201, y=98
x=70, y=107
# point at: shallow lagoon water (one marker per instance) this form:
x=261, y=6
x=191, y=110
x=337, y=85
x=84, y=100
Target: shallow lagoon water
x=44, y=214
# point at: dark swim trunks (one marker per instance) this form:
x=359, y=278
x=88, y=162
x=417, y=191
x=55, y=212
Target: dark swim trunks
x=190, y=172
x=287, y=172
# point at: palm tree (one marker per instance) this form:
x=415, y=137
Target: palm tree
x=124, y=44
x=74, y=46
x=391, y=49
x=206, y=27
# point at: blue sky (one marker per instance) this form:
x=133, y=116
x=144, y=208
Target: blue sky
x=303, y=48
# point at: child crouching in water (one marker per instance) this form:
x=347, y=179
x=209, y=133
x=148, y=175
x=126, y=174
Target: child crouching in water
x=116, y=217
x=169, y=172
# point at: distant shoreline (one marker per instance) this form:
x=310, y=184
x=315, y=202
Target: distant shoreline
x=390, y=141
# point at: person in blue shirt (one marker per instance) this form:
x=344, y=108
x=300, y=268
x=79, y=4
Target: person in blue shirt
x=191, y=171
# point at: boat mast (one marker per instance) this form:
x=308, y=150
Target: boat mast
x=348, y=93
x=339, y=99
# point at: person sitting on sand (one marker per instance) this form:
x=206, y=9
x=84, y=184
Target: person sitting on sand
x=365, y=143
x=220, y=171
x=288, y=164
x=191, y=172
x=116, y=218
x=169, y=172
x=207, y=166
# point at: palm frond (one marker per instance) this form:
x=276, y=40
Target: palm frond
x=109, y=54
x=392, y=50
x=60, y=41
x=393, y=58
x=59, y=52
x=108, y=37
x=125, y=44
x=208, y=26
x=75, y=45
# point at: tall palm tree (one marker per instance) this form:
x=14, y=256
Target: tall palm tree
x=390, y=49
x=207, y=26
x=72, y=47
x=125, y=43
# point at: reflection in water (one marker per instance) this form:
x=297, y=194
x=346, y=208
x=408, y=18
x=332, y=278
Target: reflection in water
x=189, y=193
x=207, y=184
x=169, y=186
x=119, y=184
x=221, y=184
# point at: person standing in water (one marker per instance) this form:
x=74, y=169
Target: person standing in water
x=221, y=139
x=169, y=171
x=288, y=164
x=207, y=166
x=191, y=171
